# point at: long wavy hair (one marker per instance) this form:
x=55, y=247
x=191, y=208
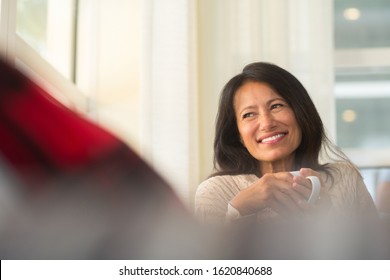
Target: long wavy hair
x=231, y=157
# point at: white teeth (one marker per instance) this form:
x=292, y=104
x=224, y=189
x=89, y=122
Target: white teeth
x=272, y=138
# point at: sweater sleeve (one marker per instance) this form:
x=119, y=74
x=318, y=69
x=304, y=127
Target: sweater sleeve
x=212, y=198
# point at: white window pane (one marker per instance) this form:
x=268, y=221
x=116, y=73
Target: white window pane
x=362, y=81
x=49, y=27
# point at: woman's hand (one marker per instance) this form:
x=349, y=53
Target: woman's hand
x=303, y=186
x=274, y=190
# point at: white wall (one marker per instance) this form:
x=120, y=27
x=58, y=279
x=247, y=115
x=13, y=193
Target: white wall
x=109, y=64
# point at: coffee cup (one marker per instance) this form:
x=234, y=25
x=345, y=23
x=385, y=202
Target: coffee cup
x=315, y=187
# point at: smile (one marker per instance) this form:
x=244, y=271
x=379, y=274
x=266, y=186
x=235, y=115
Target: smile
x=272, y=139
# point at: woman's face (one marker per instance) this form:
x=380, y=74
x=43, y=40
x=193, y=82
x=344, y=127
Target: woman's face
x=266, y=123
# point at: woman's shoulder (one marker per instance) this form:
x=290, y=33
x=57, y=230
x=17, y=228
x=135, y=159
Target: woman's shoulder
x=348, y=191
x=343, y=168
x=345, y=177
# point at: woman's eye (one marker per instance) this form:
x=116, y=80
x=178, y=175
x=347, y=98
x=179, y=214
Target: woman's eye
x=247, y=115
x=277, y=106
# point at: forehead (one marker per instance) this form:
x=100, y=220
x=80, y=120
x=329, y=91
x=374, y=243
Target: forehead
x=254, y=92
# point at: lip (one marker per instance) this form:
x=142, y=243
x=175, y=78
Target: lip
x=272, y=137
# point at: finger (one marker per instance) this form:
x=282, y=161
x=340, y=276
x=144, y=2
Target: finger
x=299, y=198
x=306, y=172
x=284, y=181
x=312, y=183
x=302, y=186
x=284, y=197
x=300, y=180
x=279, y=208
x=284, y=176
x=302, y=190
x=286, y=203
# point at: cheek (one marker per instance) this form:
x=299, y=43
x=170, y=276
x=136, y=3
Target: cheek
x=246, y=133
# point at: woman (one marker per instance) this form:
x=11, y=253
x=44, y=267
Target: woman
x=267, y=126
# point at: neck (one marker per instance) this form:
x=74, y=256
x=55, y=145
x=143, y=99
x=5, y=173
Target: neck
x=277, y=166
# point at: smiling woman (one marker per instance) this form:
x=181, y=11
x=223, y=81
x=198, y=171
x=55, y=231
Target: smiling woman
x=267, y=126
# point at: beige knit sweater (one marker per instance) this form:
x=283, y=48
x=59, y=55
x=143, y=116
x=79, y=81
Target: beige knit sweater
x=347, y=191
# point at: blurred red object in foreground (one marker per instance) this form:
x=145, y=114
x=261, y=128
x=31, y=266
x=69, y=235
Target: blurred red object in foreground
x=84, y=192
x=42, y=138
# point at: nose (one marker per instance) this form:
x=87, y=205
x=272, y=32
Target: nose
x=266, y=122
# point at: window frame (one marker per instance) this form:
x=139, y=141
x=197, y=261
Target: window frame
x=17, y=52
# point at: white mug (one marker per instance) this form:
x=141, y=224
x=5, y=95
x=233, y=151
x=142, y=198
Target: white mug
x=315, y=187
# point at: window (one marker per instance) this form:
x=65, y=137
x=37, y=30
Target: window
x=362, y=83
x=39, y=37
x=362, y=24
x=48, y=26
x=362, y=88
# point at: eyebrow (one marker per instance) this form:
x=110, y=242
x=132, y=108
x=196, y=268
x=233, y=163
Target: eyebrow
x=276, y=99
